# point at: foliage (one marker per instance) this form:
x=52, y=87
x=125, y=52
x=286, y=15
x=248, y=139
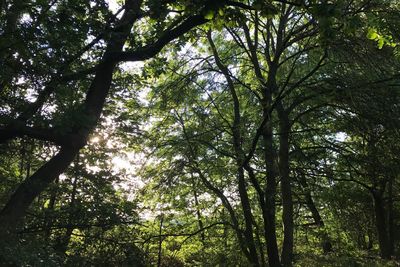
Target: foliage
x=249, y=125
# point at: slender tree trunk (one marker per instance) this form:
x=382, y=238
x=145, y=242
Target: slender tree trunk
x=237, y=146
x=260, y=245
x=286, y=187
x=244, y=199
x=381, y=225
x=391, y=226
x=325, y=240
x=227, y=205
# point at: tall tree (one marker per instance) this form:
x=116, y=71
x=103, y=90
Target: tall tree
x=74, y=137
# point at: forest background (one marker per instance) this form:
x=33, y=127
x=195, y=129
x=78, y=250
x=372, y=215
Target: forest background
x=199, y=133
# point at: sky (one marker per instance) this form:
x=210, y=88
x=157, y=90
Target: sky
x=113, y=5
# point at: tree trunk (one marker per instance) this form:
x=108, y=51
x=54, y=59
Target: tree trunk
x=391, y=224
x=260, y=245
x=381, y=225
x=225, y=203
x=286, y=187
x=237, y=146
x=325, y=240
x=19, y=202
x=270, y=195
x=244, y=199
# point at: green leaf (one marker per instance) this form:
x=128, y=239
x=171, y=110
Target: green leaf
x=372, y=34
x=381, y=42
x=209, y=15
x=46, y=204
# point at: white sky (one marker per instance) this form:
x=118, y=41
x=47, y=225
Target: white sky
x=113, y=5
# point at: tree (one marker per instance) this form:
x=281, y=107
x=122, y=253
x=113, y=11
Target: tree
x=255, y=121
x=74, y=137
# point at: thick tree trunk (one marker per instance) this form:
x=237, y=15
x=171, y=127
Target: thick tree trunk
x=270, y=195
x=286, y=187
x=18, y=204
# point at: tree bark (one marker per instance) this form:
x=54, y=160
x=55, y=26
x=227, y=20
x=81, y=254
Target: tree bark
x=381, y=225
x=244, y=199
x=19, y=202
x=270, y=195
x=270, y=159
x=239, y=154
x=325, y=240
x=286, y=187
x=391, y=224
